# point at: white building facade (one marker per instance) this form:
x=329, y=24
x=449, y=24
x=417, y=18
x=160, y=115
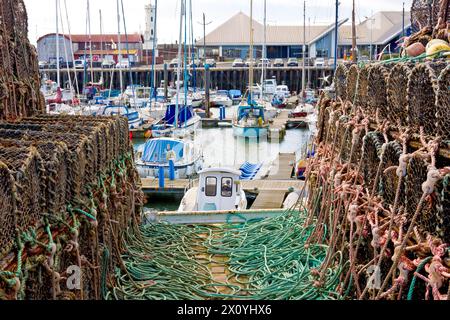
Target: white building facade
x=150, y=34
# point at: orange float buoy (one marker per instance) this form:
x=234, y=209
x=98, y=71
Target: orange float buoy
x=148, y=134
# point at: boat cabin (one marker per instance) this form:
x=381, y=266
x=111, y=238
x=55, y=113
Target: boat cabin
x=250, y=112
x=219, y=189
x=283, y=91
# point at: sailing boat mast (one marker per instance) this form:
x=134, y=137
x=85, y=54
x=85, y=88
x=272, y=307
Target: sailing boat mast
x=180, y=38
x=90, y=41
x=263, y=71
x=101, y=42
x=153, y=77
x=194, y=71
x=58, y=76
x=185, y=75
x=336, y=34
x=71, y=48
x=119, y=48
x=354, y=53
x=304, y=50
x=250, y=54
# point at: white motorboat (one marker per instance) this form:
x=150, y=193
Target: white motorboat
x=219, y=189
x=154, y=154
x=194, y=99
x=221, y=98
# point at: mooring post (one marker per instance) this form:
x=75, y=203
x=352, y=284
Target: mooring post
x=166, y=80
x=161, y=177
x=207, y=85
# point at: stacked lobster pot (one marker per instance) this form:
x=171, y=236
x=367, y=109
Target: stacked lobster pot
x=380, y=180
x=68, y=186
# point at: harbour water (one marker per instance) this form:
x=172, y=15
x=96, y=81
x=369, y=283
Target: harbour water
x=221, y=148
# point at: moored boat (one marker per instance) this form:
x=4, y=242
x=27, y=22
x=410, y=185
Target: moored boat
x=186, y=123
x=250, y=121
x=156, y=154
x=219, y=189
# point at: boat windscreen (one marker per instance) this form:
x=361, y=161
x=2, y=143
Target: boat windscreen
x=155, y=151
x=250, y=112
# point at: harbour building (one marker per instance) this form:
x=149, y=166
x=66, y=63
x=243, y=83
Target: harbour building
x=230, y=40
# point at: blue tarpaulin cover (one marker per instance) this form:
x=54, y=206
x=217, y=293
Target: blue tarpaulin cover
x=184, y=114
x=155, y=151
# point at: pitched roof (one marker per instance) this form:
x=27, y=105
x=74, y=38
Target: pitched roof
x=236, y=31
x=380, y=28
x=132, y=38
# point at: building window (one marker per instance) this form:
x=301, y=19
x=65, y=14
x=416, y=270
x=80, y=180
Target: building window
x=227, y=187
x=152, y=32
x=211, y=187
x=151, y=19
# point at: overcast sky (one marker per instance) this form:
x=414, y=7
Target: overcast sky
x=41, y=14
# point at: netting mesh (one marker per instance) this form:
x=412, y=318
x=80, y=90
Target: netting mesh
x=377, y=90
x=25, y=166
x=373, y=141
x=422, y=93
x=424, y=13
x=362, y=97
x=389, y=180
x=340, y=81
x=416, y=175
x=397, y=94
x=19, y=76
x=352, y=82
x=54, y=161
x=443, y=105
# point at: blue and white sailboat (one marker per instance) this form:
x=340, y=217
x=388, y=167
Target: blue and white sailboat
x=180, y=119
x=155, y=154
x=132, y=115
x=181, y=122
x=249, y=120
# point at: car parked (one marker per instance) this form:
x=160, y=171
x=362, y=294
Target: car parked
x=43, y=64
x=123, y=64
x=197, y=63
x=292, y=62
x=250, y=62
x=211, y=63
x=173, y=63
x=79, y=64
x=108, y=64
x=278, y=63
x=238, y=63
x=264, y=62
x=319, y=62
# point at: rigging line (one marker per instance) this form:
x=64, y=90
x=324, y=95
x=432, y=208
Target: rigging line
x=90, y=41
x=153, y=73
x=65, y=51
x=85, y=54
x=71, y=48
x=185, y=78
x=193, y=50
x=179, y=64
x=128, y=53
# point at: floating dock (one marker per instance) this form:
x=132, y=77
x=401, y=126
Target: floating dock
x=270, y=191
x=150, y=186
